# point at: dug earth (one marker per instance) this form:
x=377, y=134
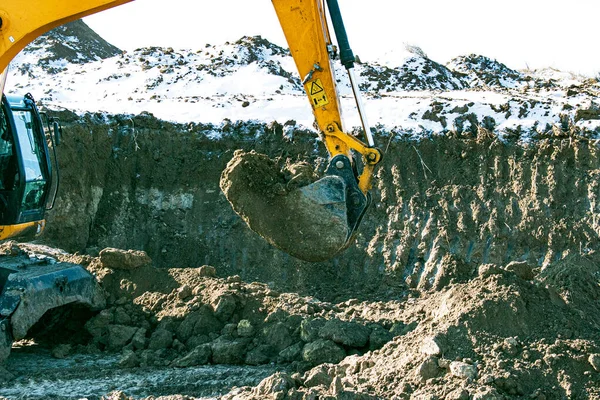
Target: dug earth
x=509, y=332
x=474, y=275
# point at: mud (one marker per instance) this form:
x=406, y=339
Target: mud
x=39, y=375
x=308, y=223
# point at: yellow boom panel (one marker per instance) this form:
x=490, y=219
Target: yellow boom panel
x=25, y=20
x=305, y=29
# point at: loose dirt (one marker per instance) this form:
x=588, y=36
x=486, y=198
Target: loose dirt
x=308, y=223
x=512, y=331
x=475, y=275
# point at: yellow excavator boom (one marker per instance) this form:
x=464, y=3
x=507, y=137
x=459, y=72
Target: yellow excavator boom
x=305, y=26
x=23, y=21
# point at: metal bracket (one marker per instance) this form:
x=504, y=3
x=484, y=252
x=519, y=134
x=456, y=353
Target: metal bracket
x=356, y=201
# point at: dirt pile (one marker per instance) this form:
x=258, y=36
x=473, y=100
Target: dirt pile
x=308, y=223
x=512, y=331
x=184, y=317
x=509, y=333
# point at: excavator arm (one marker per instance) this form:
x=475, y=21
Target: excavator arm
x=21, y=22
x=305, y=26
x=307, y=33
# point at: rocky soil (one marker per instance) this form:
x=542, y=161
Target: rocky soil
x=512, y=331
x=471, y=197
x=475, y=274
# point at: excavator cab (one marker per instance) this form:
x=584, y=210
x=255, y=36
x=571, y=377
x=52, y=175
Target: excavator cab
x=25, y=168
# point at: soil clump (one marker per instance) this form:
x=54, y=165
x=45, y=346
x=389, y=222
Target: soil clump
x=306, y=222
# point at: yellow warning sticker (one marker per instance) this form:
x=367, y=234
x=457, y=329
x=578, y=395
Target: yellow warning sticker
x=317, y=93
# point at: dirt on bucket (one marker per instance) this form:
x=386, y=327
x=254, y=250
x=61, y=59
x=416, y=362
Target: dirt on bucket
x=307, y=222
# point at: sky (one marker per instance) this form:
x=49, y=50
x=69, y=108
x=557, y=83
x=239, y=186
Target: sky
x=519, y=33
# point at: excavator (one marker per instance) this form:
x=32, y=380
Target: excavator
x=324, y=215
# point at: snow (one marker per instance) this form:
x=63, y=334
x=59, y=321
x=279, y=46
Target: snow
x=254, y=80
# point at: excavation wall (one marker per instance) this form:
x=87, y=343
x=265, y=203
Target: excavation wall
x=442, y=205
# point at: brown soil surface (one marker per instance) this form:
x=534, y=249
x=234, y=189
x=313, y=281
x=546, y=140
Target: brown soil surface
x=475, y=275
x=512, y=331
x=283, y=214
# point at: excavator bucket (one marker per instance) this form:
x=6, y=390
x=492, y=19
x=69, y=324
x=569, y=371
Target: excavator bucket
x=312, y=222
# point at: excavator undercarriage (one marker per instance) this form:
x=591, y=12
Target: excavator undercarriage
x=33, y=284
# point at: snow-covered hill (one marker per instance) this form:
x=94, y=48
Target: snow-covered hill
x=253, y=79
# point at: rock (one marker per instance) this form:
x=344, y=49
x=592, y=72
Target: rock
x=322, y=351
x=279, y=382
x=124, y=259
x=277, y=315
x=293, y=321
x=463, y=370
x=147, y=358
x=201, y=322
x=229, y=330
x=401, y=329
x=118, y=336
x=291, y=353
x=197, y=340
x=317, y=376
x=522, y=269
x=160, y=339
x=208, y=271
x=121, y=317
x=245, y=328
x=337, y=387
x=98, y=325
x=184, y=292
x=178, y=346
x=260, y=355
x=224, y=307
x=61, y=351
x=228, y=351
x=379, y=337
x=594, y=360
x=486, y=270
x=429, y=368
x=138, y=341
x=510, y=346
x=349, y=334
x=431, y=347
x=129, y=360
x=458, y=394
x=309, y=329
x=278, y=336
x=198, y=356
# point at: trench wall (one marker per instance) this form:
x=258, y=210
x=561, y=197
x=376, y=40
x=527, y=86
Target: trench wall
x=442, y=205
